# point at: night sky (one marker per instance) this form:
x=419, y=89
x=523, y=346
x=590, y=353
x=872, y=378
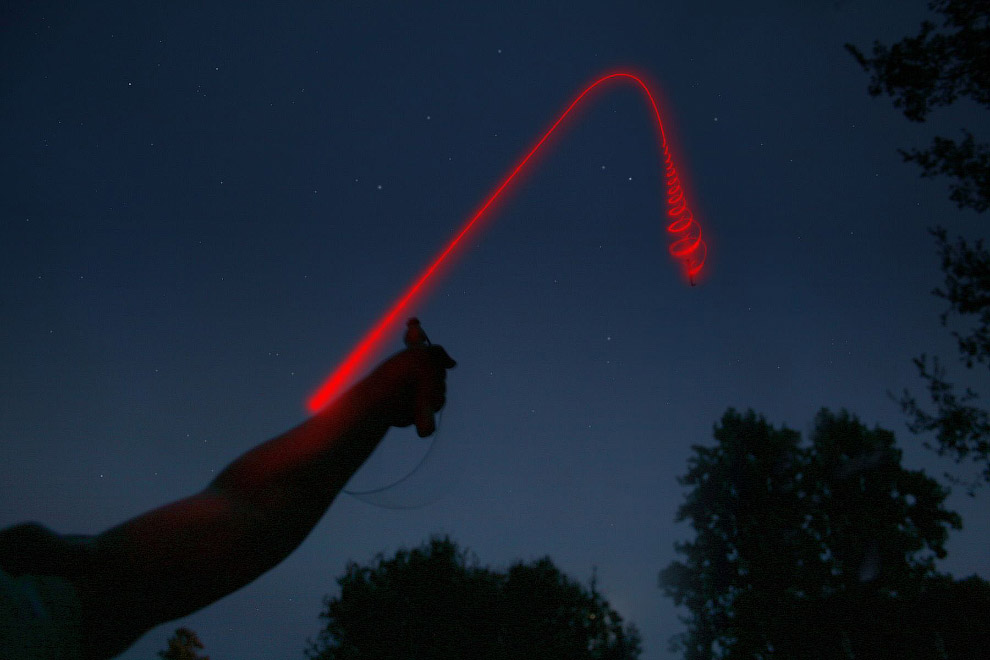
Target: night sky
x=203, y=209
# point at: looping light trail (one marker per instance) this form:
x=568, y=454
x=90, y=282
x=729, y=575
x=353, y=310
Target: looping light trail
x=687, y=247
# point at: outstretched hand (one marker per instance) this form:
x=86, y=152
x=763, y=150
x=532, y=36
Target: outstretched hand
x=410, y=387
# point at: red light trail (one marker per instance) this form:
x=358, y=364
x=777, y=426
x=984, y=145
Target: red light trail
x=687, y=247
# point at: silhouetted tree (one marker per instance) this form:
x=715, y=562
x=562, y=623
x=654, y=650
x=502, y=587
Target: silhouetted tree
x=933, y=69
x=962, y=430
x=431, y=603
x=182, y=646
x=804, y=552
x=936, y=68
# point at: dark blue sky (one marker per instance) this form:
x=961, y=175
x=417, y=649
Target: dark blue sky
x=203, y=209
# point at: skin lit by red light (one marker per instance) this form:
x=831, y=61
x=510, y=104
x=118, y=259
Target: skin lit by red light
x=687, y=247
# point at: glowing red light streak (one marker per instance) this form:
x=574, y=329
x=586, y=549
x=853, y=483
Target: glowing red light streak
x=687, y=247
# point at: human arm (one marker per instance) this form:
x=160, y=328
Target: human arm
x=177, y=559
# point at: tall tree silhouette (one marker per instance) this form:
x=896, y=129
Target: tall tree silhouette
x=803, y=551
x=432, y=603
x=936, y=68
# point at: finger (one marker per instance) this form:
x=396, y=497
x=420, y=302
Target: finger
x=441, y=356
x=424, y=422
x=428, y=404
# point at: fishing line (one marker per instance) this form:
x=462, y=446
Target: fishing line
x=375, y=496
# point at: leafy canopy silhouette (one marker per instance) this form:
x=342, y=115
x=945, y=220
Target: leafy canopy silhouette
x=937, y=68
x=816, y=551
x=435, y=603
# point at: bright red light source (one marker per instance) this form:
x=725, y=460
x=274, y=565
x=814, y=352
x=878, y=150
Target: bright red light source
x=687, y=247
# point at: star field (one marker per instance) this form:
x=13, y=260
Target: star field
x=204, y=208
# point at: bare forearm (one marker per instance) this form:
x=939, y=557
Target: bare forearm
x=306, y=467
x=185, y=555
x=188, y=554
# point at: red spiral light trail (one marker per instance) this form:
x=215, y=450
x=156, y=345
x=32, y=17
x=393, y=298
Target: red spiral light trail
x=687, y=247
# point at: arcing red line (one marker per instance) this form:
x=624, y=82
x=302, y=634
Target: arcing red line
x=687, y=247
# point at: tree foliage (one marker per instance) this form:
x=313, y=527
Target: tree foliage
x=182, y=646
x=431, y=603
x=811, y=551
x=962, y=429
x=935, y=68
